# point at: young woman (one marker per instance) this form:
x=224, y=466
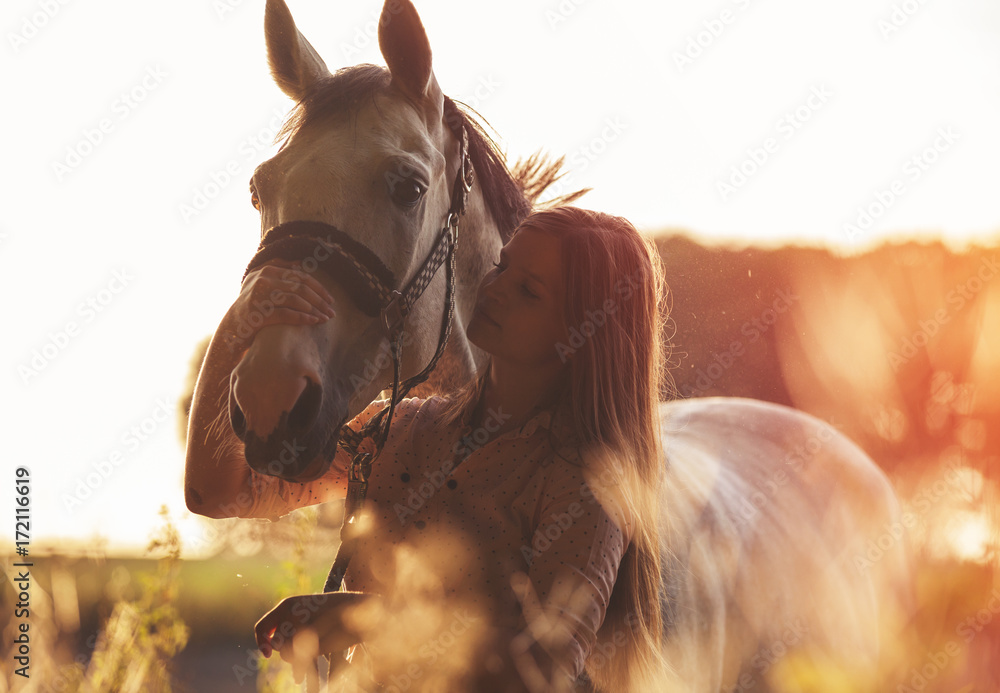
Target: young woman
x=511, y=533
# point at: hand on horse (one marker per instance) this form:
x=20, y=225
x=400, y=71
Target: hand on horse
x=279, y=293
x=302, y=627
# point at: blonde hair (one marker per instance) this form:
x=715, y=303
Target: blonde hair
x=616, y=312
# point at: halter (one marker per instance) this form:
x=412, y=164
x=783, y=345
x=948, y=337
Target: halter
x=372, y=286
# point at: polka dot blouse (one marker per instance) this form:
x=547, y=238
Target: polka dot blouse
x=476, y=514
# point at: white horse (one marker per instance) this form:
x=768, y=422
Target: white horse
x=769, y=515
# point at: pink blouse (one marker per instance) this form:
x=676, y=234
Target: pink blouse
x=456, y=515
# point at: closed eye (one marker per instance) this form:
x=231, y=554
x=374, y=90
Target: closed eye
x=500, y=267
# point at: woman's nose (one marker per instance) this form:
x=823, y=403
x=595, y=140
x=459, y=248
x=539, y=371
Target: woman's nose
x=493, y=288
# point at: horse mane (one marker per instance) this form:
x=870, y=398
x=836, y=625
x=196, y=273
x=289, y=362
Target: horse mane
x=510, y=194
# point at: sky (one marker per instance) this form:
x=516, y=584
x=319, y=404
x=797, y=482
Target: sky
x=131, y=130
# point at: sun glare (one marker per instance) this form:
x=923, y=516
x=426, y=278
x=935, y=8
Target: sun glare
x=971, y=536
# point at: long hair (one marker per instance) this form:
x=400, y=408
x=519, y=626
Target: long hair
x=616, y=312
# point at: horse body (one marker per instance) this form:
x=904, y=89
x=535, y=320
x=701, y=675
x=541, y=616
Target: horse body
x=765, y=510
x=768, y=514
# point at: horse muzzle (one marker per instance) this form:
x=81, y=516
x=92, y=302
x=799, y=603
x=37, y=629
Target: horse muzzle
x=296, y=438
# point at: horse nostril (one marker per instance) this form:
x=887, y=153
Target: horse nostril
x=306, y=409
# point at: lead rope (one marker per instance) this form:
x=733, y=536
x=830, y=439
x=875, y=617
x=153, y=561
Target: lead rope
x=361, y=464
x=393, y=315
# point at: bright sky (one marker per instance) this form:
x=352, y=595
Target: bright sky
x=132, y=129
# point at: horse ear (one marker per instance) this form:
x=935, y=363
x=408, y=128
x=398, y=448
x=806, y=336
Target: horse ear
x=407, y=52
x=295, y=65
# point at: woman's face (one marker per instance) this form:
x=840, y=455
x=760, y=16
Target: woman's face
x=519, y=307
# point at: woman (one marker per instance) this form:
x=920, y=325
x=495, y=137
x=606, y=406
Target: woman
x=519, y=515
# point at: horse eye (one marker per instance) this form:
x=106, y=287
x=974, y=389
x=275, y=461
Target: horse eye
x=408, y=191
x=254, y=200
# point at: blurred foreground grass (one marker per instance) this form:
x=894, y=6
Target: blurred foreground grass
x=156, y=624
x=167, y=624
x=163, y=623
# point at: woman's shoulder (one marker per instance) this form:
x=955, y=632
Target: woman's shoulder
x=580, y=466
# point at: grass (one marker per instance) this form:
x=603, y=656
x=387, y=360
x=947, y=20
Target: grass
x=121, y=624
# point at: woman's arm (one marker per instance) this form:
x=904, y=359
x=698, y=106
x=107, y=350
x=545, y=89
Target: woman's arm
x=567, y=589
x=217, y=480
x=216, y=475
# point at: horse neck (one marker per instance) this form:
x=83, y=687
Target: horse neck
x=479, y=245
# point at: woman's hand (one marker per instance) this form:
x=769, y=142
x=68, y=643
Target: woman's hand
x=279, y=293
x=301, y=628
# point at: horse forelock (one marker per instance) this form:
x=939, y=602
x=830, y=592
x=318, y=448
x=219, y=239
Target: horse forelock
x=509, y=195
x=336, y=94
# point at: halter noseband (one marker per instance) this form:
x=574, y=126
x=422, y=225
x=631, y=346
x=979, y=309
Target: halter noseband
x=373, y=287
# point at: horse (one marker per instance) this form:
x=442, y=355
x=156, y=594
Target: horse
x=770, y=516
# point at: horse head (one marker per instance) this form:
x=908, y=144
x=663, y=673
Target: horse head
x=372, y=154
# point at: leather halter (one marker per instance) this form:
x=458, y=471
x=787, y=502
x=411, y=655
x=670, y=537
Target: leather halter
x=373, y=287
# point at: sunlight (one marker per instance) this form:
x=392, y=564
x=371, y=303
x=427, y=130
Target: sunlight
x=971, y=536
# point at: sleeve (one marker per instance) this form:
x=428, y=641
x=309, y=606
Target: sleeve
x=576, y=549
x=272, y=498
